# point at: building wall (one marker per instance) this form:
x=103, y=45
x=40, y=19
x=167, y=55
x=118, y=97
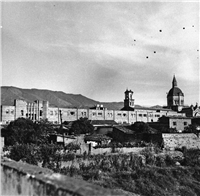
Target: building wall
x=7, y=114
x=41, y=110
x=179, y=123
x=109, y=115
x=33, y=111
x=69, y=114
x=53, y=115
x=20, y=108
x=2, y=144
x=96, y=114
x=121, y=117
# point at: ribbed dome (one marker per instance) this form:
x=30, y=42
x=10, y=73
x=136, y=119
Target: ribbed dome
x=175, y=91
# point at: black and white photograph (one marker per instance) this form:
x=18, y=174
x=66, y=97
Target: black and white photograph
x=100, y=98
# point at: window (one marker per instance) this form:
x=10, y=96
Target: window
x=109, y=114
x=140, y=115
x=94, y=113
x=22, y=112
x=144, y=115
x=51, y=112
x=72, y=113
x=12, y=111
x=83, y=113
x=40, y=112
x=99, y=114
x=185, y=123
x=7, y=111
x=124, y=114
x=174, y=123
x=56, y=113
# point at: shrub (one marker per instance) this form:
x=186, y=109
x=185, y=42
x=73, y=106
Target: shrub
x=24, y=152
x=69, y=156
x=191, y=157
x=72, y=147
x=149, y=155
x=169, y=160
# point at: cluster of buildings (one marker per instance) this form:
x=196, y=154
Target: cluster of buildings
x=129, y=114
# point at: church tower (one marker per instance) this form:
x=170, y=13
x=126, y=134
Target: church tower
x=128, y=101
x=175, y=97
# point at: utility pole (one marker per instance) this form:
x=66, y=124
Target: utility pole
x=61, y=127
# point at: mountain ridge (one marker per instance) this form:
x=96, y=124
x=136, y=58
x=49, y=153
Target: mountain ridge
x=55, y=98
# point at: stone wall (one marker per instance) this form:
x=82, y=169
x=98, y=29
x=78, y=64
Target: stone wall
x=23, y=179
x=179, y=140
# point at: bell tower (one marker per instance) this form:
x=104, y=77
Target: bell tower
x=128, y=101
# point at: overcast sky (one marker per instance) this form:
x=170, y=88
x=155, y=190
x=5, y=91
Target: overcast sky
x=98, y=49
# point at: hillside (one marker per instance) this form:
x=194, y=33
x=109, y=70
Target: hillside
x=55, y=98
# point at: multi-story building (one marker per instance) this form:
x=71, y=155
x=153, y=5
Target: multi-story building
x=128, y=114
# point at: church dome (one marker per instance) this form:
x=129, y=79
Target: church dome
x=175, y=91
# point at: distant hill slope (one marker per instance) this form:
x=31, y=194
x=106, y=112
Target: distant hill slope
x=55, y=98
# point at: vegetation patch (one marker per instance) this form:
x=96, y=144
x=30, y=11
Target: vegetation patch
x=150, y=173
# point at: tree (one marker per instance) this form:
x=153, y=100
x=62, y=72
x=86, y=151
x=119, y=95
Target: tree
x=193, y=128
x=141, y=127
x=25, y=131
x=81, y=126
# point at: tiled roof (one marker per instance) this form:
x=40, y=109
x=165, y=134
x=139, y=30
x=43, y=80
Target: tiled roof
x=145, y=108
x=124, y=130
x=177, y=117
x=103, y=122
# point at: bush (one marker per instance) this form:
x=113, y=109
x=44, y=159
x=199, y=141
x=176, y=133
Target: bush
x=69, y=156
x=191, y=157
x=24, y=152
x=72, y=147
x=169, y=160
